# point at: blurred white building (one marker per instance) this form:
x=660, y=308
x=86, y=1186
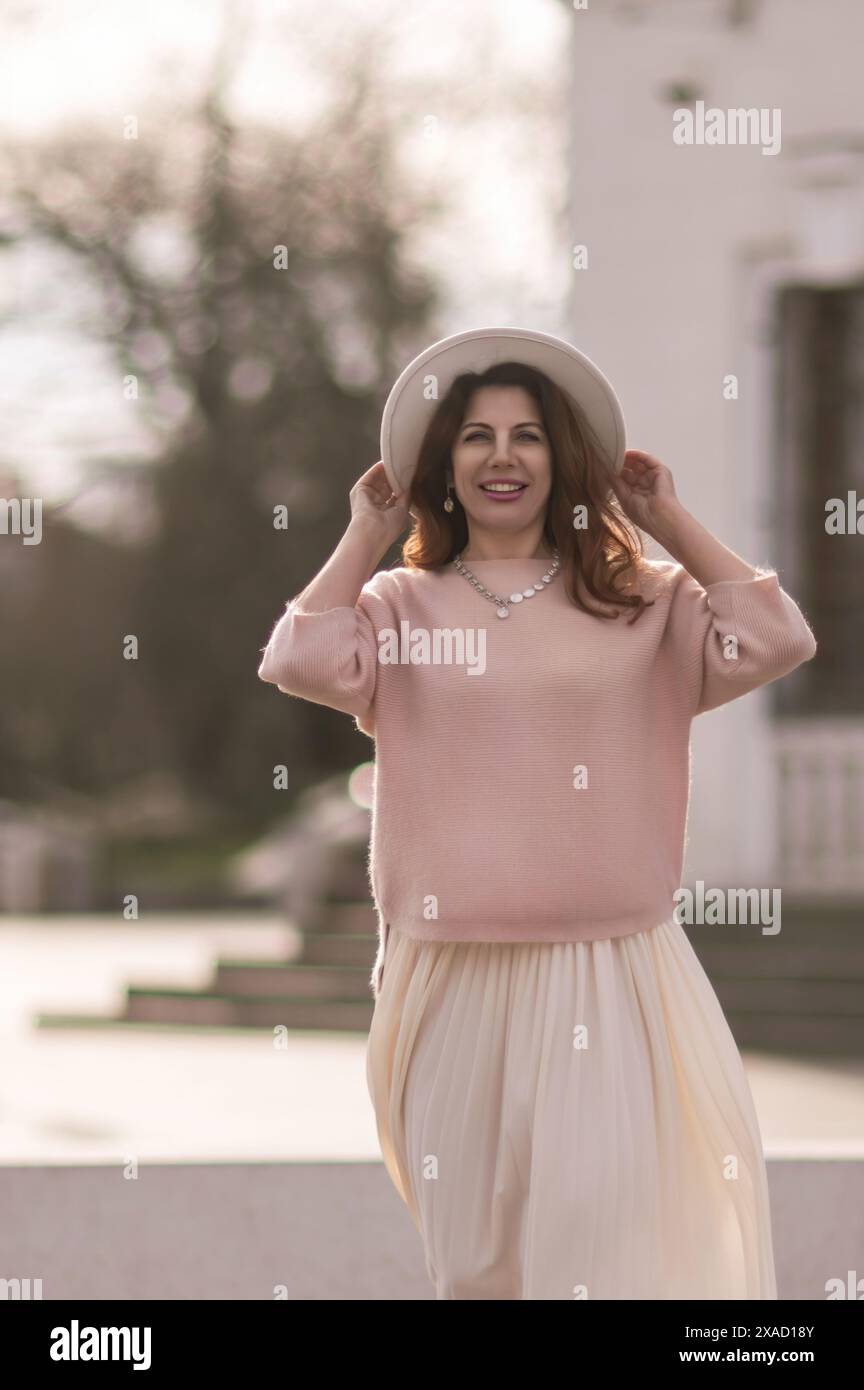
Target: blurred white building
x=724, y=296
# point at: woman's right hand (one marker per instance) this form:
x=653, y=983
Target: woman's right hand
x=374, y=504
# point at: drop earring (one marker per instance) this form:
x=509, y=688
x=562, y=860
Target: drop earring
x=448, y=501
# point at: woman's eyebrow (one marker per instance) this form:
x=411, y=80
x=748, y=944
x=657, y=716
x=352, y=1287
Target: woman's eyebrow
x=535, y=424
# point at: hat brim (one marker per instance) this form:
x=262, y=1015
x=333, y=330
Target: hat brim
x=426, y=380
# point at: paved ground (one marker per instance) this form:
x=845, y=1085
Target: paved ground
x=69, y=1096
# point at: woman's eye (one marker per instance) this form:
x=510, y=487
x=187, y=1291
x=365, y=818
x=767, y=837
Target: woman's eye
x=478, y=434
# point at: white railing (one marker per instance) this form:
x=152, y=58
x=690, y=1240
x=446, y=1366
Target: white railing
x=820, y=805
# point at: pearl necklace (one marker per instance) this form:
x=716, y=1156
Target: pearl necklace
x=503, y=604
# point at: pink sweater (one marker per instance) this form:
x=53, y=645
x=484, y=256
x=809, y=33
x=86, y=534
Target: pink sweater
x=531, y=774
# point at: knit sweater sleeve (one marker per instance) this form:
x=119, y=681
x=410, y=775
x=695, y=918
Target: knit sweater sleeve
x=734, y=635
x=330, y=658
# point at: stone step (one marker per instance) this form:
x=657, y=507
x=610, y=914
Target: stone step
x=347, y=919
x=805, y=1035
x=291, y=980
x=234, y=1011
x=335, y=948
x=825, y=924
x=786, y=960
x=205, y=1008
x=839, y=998
x=816, y=932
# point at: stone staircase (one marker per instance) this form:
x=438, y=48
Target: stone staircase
x=800, y=992
x=327, y=987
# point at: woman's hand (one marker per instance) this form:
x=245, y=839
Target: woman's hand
x=645, y=489
x=374, y=504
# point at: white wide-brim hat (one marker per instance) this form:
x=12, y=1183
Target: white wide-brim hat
x=408, y=409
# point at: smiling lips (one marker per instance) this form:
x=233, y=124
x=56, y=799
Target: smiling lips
x=503, y=491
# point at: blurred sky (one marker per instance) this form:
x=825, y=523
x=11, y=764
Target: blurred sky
x=104, y=60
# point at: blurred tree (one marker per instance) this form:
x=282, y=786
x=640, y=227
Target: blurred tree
x=263, y=372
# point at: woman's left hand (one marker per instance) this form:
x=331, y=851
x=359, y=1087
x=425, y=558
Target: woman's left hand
x=645, y=489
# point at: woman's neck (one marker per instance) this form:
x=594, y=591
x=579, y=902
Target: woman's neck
x=480, y=552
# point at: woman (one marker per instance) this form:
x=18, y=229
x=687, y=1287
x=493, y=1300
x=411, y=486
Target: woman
x=559, y=1099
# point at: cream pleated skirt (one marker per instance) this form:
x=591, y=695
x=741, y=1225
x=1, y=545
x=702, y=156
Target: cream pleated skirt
x=569, y=1120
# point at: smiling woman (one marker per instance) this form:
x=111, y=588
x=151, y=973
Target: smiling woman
x=559, y=1099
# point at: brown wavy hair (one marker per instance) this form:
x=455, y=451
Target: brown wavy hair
x=607, y=557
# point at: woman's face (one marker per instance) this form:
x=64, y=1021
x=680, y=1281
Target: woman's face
x=502, y=440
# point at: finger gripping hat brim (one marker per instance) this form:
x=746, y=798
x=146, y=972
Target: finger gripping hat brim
x=426, y=380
